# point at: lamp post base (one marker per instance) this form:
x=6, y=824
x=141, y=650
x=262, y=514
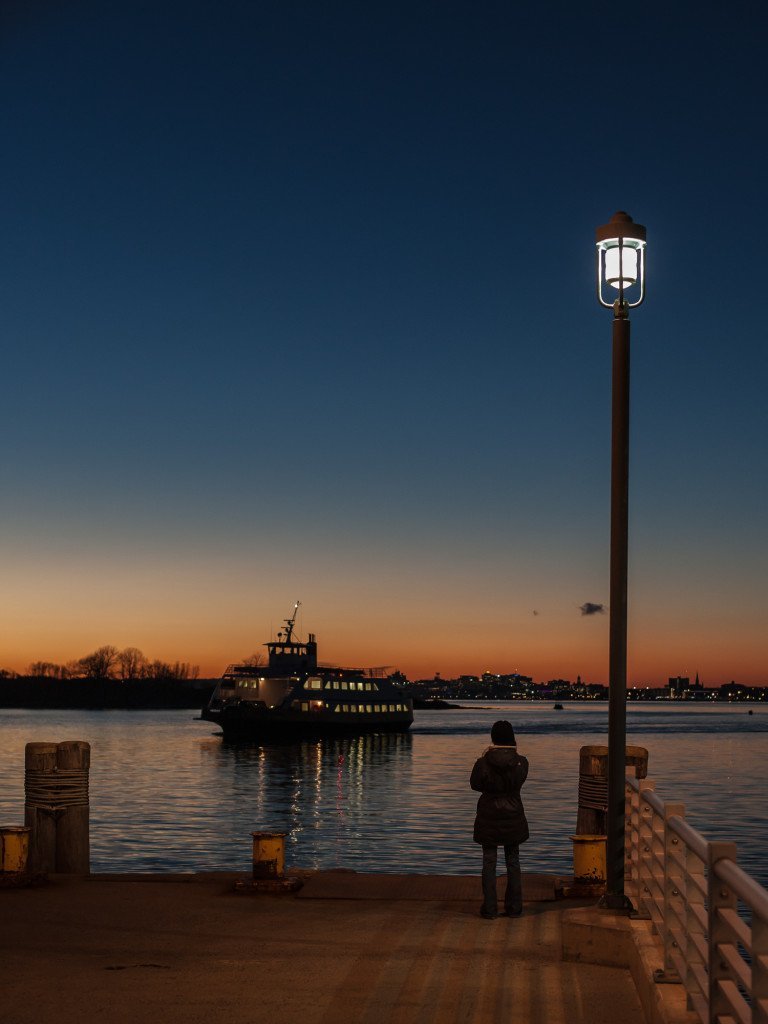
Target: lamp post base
x=616, y=901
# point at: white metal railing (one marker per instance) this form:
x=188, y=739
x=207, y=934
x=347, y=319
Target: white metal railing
x=690, y=889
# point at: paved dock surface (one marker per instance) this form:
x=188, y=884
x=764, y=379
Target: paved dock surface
x=129, y=951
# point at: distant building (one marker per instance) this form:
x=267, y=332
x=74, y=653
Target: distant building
x=678, y=685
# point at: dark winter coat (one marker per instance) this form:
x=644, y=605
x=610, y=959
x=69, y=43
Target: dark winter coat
x=498, y=775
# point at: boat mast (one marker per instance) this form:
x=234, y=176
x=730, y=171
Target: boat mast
x=290, y=624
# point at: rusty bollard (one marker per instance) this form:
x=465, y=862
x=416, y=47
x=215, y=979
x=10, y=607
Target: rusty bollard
x=268, y=866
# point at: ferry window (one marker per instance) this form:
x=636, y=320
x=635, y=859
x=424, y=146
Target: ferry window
x=369, y=708
x=345, y=686
x=376, y=687
x=313, y=684
x=305, y=705
x=337, y=707
x=367, y=686
x=317, y=705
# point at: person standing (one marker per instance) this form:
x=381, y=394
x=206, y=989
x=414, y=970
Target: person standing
x=500, y=820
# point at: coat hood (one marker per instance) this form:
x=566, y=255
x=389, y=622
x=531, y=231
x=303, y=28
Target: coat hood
x=501, y=757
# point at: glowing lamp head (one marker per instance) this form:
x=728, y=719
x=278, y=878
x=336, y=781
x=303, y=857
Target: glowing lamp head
x=621, y=261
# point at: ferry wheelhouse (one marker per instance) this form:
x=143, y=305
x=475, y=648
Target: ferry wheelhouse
x=293, y=695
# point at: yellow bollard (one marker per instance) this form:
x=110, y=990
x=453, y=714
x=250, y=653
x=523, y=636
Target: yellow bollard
x=268, y=866
x=589, y=862
x=268, y=855
x=14, y=849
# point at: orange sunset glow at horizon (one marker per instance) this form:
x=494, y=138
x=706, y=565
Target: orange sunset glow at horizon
x=564, y=644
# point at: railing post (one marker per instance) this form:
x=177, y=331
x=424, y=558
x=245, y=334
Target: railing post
x=695, y=930
x=719, y=897
x=759, y=969
x=644, y=850
x=674, y=881
x=630, y=840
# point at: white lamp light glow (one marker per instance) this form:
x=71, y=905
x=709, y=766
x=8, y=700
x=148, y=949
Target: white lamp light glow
x=626, y=274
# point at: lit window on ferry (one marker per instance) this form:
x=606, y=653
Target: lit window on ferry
x=345, y=686
x=376, y=687
x=313, y=684
x=316, y=705
x=337, y=707
x=369, y=708
x=346, y=707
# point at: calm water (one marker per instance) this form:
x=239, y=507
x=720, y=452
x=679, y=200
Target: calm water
x=167, y=794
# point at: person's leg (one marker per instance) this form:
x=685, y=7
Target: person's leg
x=489, y=907
x=513, y=898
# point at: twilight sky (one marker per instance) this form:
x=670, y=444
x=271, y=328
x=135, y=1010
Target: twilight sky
x=297, y=302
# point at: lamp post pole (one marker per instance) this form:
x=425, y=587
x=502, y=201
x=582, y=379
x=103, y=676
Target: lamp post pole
x=617, y=650
x=621, y=265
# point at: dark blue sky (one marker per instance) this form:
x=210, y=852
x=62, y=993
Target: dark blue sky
x=297, y=300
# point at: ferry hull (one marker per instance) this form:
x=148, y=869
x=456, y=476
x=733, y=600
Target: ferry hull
x=244, y=726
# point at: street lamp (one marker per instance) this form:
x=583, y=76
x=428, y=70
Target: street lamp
x=620, y=287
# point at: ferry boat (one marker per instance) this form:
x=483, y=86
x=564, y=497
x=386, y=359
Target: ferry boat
x=293, y=695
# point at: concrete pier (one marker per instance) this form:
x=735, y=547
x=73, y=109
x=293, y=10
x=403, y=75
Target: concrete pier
x=187, y=949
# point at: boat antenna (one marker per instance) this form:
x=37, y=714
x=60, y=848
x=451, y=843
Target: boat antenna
x=289, y=623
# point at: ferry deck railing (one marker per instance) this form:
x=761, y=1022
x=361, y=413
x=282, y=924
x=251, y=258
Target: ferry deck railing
x=710, y=916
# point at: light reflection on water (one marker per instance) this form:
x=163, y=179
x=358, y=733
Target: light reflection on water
x=167, y=794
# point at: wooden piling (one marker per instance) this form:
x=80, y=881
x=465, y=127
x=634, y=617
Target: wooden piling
x=73, y=852
x=56, y=806
x=39, y=760
x=593, y=785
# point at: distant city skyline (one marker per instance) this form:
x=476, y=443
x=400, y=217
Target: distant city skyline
x=298, y=302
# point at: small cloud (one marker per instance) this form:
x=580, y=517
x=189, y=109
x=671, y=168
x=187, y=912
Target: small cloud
x=589, y=608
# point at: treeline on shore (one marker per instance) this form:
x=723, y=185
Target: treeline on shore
x=109, y=663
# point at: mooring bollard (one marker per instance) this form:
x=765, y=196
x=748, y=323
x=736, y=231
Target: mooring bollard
x=14, y=849
x=268, y=873
x=589, y=866
x=56, y=808
x=268, y=855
